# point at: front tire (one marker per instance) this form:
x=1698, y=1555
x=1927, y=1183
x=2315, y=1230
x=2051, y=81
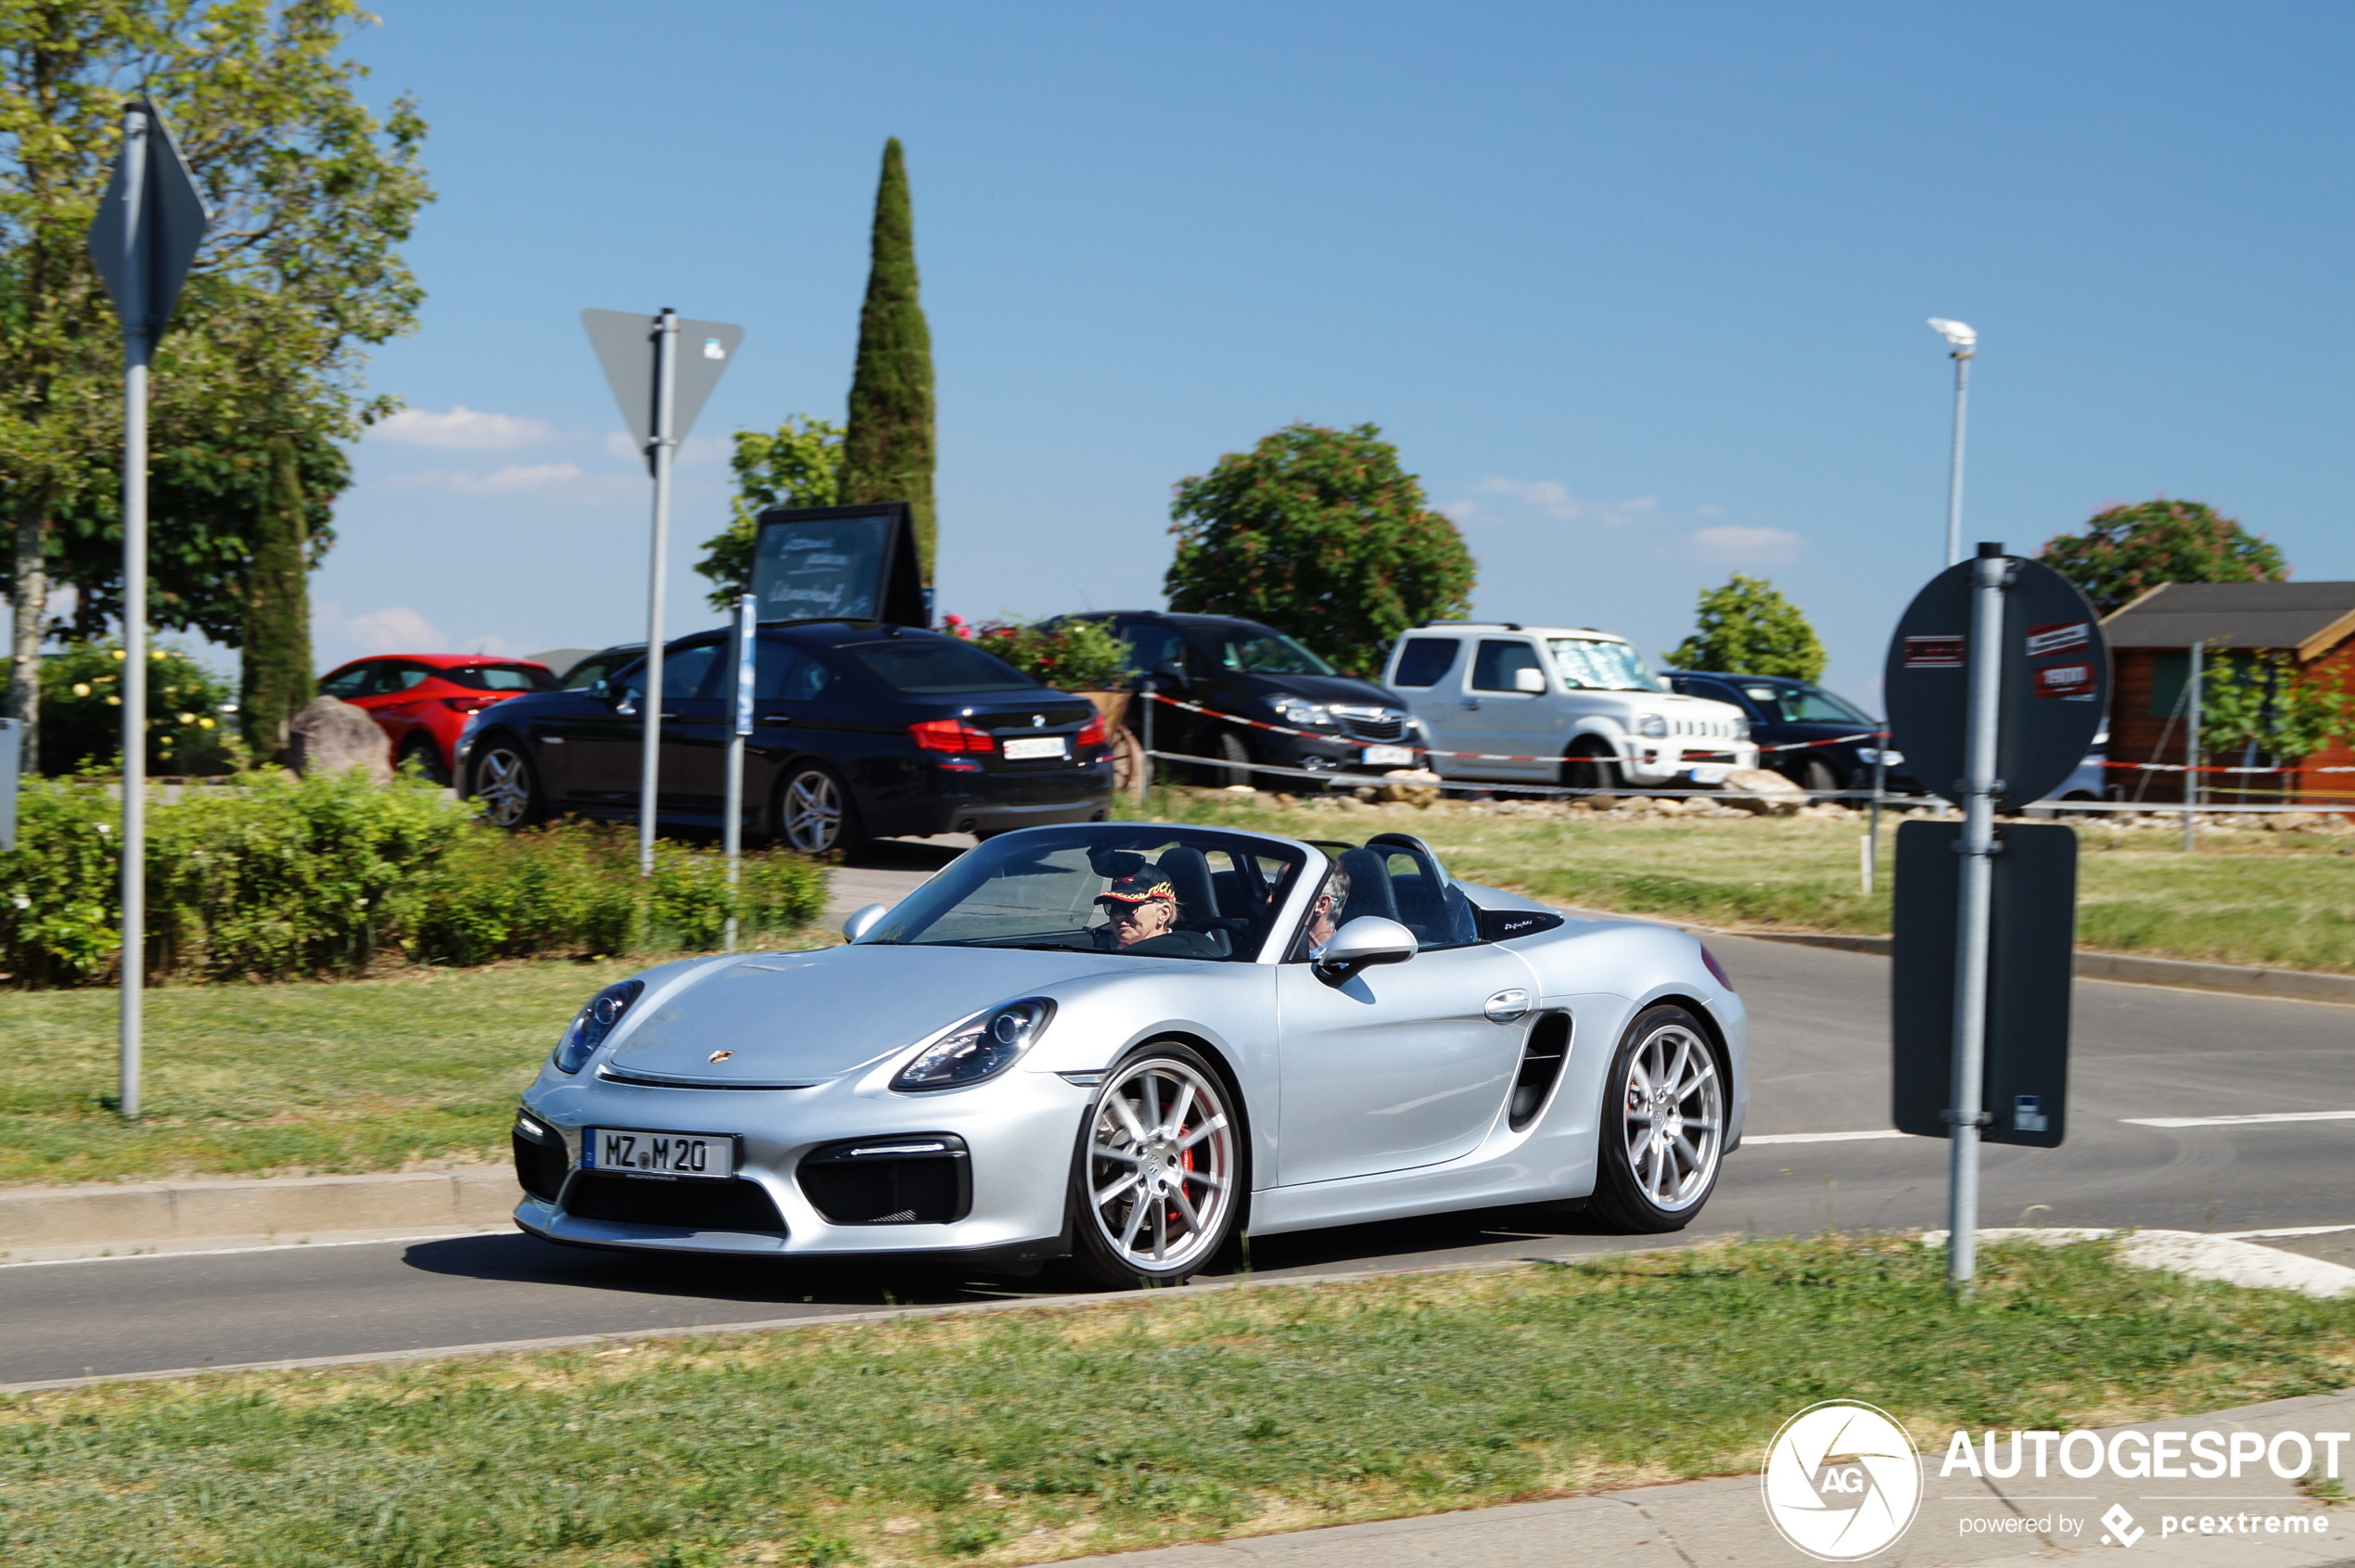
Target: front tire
x=1591, y=765
x=1235, y=752
x=1816, y=777
x=1662, y=1126
x=815, y=812
x=506, y=784
x=1157, y=1180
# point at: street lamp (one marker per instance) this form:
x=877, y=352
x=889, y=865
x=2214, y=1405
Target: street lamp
x=1962, y=340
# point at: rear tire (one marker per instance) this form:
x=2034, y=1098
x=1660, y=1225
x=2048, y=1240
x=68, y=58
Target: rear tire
x=429, y=758
x=1662, y=1126
x=814, y=812
x=506, y=784
x=1157, y=1181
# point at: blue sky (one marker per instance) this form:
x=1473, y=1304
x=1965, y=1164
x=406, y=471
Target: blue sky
x=1639, y=290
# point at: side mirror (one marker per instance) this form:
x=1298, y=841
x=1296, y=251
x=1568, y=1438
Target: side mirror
x=1364, y=942
x=863, y=920
x=601, y=687
x=1528, y=679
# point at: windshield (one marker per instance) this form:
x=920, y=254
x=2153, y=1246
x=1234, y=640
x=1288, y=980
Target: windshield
x=1110, y=887
x=923, y=665
x=1600, y=665
x=501, y=677
x=1255, y=650
x=1804, y=705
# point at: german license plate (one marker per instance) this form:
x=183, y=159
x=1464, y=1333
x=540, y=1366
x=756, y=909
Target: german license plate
x=1031, y=747
x=692, y=1156
x=1710, y=774
x=1390, y=757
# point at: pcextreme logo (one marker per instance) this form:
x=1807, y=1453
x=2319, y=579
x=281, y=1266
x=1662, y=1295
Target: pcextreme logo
x=1841, y=1481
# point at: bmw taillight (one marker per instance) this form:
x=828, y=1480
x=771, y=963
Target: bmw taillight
x=1093, y=732
x=950, y=734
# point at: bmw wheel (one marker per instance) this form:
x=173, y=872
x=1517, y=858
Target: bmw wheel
x=1663, y=1125
x=815, y=812
x=1158, y=1173
x=506, y=785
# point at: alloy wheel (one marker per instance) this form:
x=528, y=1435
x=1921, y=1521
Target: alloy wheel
x=1673, y=1117
x=810, y=807
x=503, y=782
x=1160, y=1165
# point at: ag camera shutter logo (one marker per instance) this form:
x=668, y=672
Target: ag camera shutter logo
x=1841, y=1481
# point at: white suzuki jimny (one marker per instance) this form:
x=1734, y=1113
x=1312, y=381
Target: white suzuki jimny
x=1559, y=705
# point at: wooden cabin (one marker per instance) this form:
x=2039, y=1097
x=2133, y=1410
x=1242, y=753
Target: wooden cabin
x=2150, y=643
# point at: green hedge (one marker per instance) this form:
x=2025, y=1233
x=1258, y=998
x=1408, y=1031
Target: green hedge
x=280, y=877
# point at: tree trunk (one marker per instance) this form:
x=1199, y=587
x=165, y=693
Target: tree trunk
x=275, y=681
x=888, y=449
x=29, y=596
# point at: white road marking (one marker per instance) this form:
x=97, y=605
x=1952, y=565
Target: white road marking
x=2235, y=1121
x=2287, y=1230
x=1748, y=1138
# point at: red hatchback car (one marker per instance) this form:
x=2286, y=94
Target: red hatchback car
x=423, y=700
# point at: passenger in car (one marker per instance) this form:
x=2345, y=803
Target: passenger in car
x=1327, y=906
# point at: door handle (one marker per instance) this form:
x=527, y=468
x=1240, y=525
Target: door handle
x=776, y=719
x=1507, y=1005
x=1471, y=705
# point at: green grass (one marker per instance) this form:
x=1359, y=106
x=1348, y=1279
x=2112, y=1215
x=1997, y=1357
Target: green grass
x=2278, y=900
x=1027, y=1435
x=274, y=1080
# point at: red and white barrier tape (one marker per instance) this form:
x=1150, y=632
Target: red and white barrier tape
x=1402, y=743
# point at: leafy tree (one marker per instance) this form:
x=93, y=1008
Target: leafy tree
x=311, y=195
x=2127, y=550
x=1320, y=534
x=800, y=465
x=276, y=681
x=887, y=451
x=2263, y=701
x=1748, y=628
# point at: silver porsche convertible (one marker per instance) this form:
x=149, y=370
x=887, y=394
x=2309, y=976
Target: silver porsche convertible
x=1123, y=1043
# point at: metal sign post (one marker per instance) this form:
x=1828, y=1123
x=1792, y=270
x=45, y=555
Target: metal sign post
x=660, y=391
x=1996, y=680
x=748, y=644
x=2191, y=752
x=143, y=241
x=11, y=764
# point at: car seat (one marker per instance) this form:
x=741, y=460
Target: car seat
x=1369, y=887
x=1188, y=874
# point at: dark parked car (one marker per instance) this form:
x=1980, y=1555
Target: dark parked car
x=1252, y=671
x=860, y=730
x=1790, y=713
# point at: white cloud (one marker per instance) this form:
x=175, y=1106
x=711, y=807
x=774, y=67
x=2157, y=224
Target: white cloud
x=394, y=630
x=514, y=480
x=462, y=428
x=1552, y=499
x=1731, y=542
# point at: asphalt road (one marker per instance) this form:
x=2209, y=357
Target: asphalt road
x=1819, y=1065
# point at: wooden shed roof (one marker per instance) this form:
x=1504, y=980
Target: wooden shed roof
x=2308, y=618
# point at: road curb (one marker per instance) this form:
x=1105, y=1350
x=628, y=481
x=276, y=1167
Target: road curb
x=2297, y=984
x=155, y=1212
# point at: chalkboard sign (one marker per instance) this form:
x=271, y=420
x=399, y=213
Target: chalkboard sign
x=838, y=562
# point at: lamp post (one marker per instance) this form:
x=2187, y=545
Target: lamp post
x=1963, y=342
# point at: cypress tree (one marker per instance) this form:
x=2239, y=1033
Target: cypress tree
x=277, y=680
x=887, y=451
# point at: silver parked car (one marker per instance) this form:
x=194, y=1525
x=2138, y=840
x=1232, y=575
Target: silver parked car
x=1123, y=1043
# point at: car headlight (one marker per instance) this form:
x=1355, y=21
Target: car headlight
x=1869, y=755
x=592, y=1023
x=1652, y=726
x=1301, y=711
x=981, y=1046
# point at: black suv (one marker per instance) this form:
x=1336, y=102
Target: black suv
x=1829, y=740
x=1239, y=669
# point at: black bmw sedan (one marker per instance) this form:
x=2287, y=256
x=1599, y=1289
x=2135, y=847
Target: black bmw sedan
x=1236, y=669
x=860, y=730
x=1817, y=740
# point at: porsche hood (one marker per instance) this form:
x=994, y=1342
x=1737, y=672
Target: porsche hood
x=795, y=1019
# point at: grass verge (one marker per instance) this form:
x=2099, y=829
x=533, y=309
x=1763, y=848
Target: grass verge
x=2271, y=899
x=1024, y=1437
x=304, y=1076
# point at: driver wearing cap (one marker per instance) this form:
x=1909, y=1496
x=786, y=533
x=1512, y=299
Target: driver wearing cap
x=1139, y=907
